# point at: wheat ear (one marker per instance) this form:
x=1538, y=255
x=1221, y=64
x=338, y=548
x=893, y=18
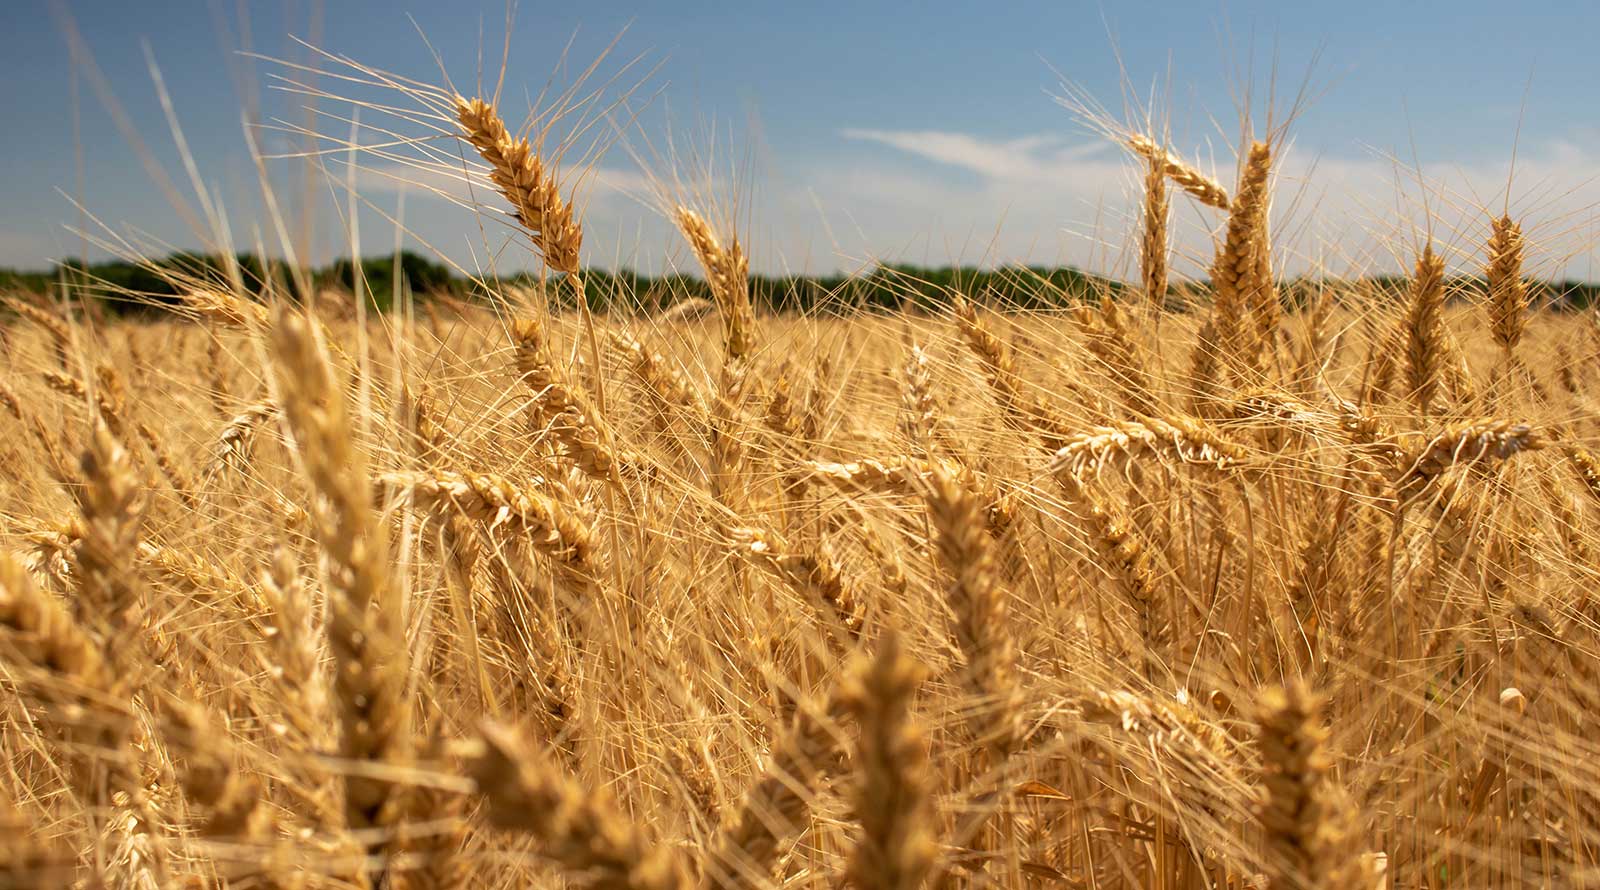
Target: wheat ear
x=363, y=630
x=577, y=828
x=565, y=411
x=1022, y=410
x=1113, y=342
x=1425, y=332
x=815, y=574
x=1241, y=276
x=521, y=175
x=893, y=797
x=1172, y=441
x=1508, y=293
x=978, y=603
x=31, y=861
x=1304, y=820
x=1153, y=249
x=57, y=328
x=496, y=503
x=745, y=849
x=728, y=272
x=1202, y=187
x=1484, y=441
x=112, y=503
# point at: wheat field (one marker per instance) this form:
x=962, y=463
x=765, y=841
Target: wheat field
x=1210, y=592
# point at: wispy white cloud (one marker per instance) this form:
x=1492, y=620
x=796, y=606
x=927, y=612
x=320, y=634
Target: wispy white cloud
x=1031, y=158
x=1042, y=198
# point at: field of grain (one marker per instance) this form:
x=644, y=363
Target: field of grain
x=1130, y=595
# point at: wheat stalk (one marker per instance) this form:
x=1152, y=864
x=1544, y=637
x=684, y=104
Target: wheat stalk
x=370, y=667
x=745, y=848
x=577, y=828
x=893, y=799
x=979, y=605
x=1424, y=331
x=728, y=272
x=1303, y=819
x=1241, y=274
x=1508, y=293
x=522, y=176
x=1201, y=187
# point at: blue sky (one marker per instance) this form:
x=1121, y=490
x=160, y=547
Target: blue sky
x=917, y=132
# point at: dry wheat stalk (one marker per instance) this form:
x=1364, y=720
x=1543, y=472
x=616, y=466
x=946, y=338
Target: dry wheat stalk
x=781, y=416
x=1173, y=440
x=498, y=504
x=563, y=410
x=228, y=309
x=89, y=700
x=522, y=176
x=891, y=570
x=8, y=398
x=433, y=848
x=923, y=421
x=1205, y=369
x=1305, y=820
x=295, y=661
x=237, y=440
x=1483, y=441
x=893, y=798
x=1241, y=274
x=218, y=391
x=195, y=576
x=175, y=475
x=58, y=329
x=1110, y=339
x=745, y=848
x=670, y=392
x=29, y=860
x=978, y=602
x=728, y=272
x=725, y=447
x=1424, y=331
x=1508, y=293
x=904, y=476
x=1022, y=409
x=815, y=574
x=789, y=439
x=459, y=541
x=41, y=631
x=1587, y=467
x=1120, y=552
x=211, y=776
x=1153, y=248
x=107, y=408
x=1203, y=188
x=577, y=828
x=370, y=663
x=111, y=503
x=1316, y=345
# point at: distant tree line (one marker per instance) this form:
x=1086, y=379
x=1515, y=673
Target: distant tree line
x=124, y=286
x=132, y=286
x=884, y=288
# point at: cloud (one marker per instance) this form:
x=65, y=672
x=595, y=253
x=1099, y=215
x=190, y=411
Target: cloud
x=1044, y=199
x=457, y=185
x=1031, y=158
